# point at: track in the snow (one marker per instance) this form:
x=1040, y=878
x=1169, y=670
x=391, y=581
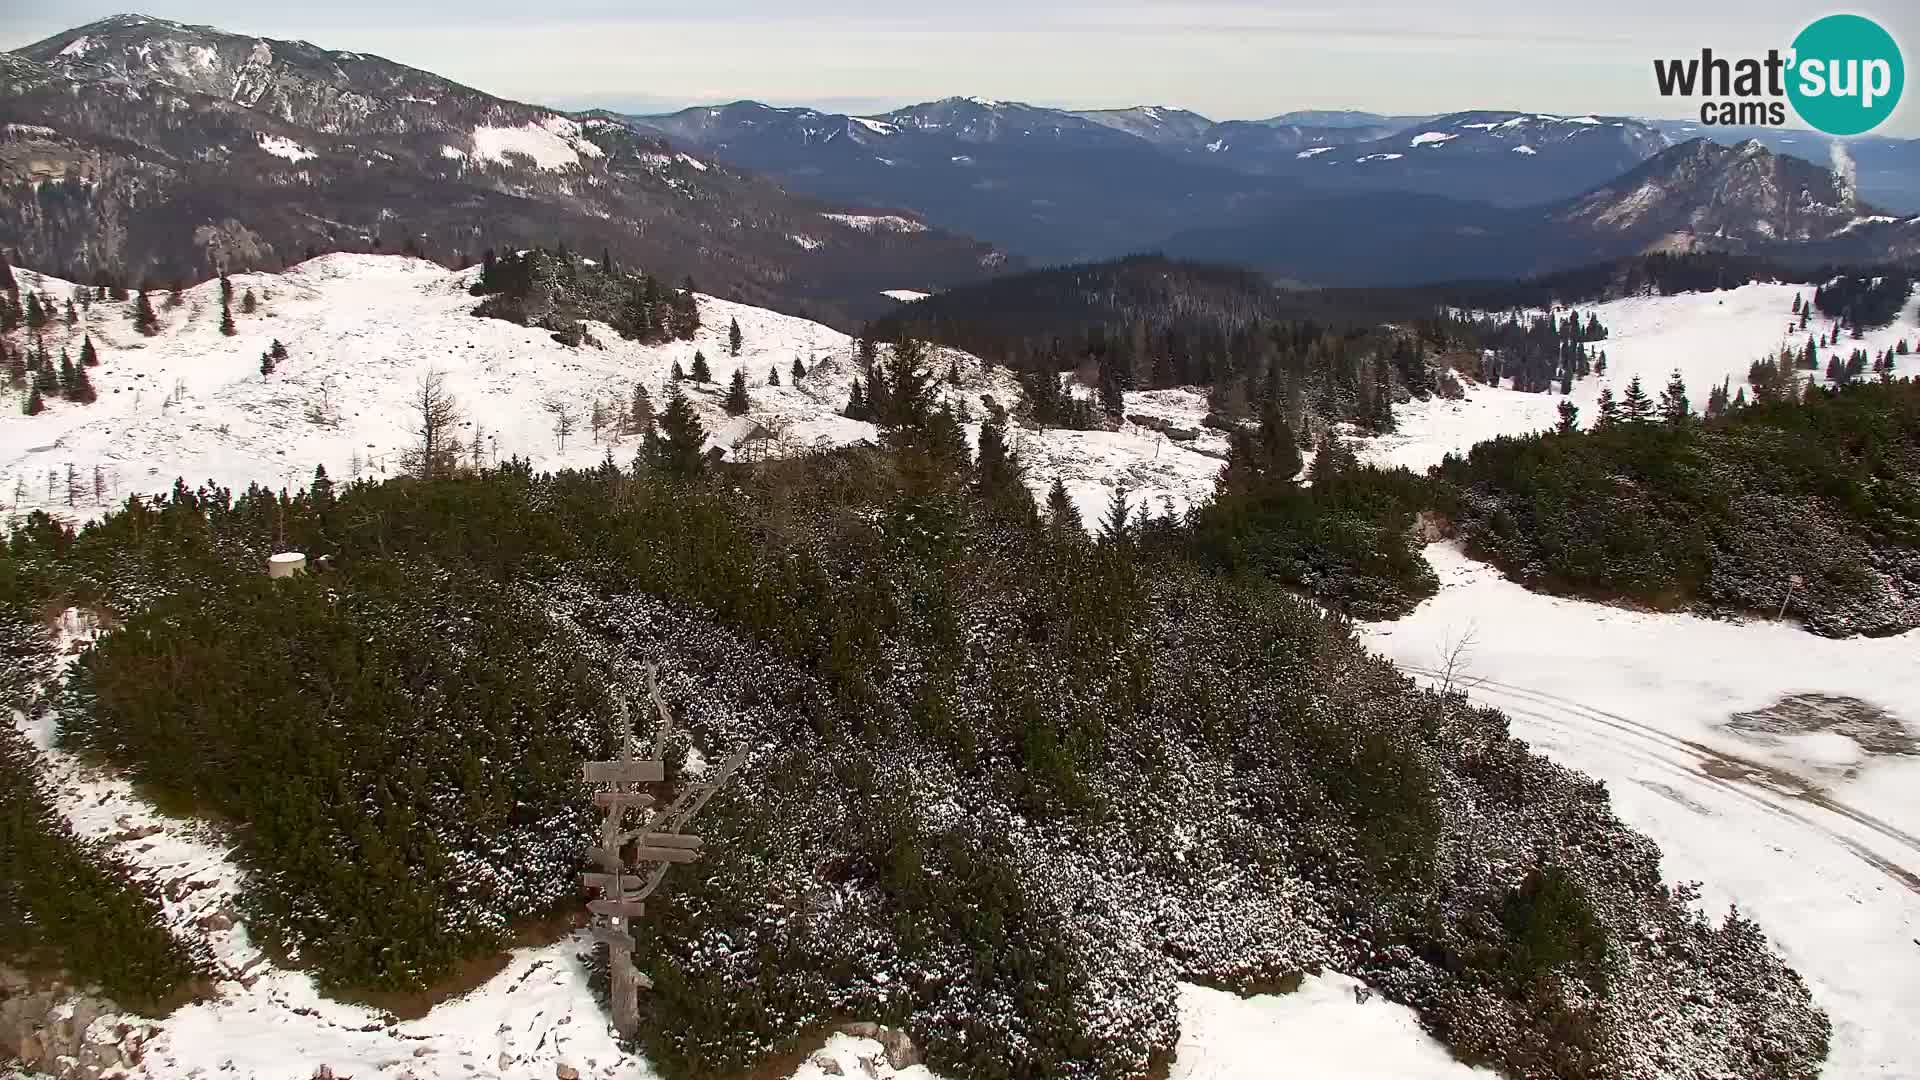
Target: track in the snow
x=1764, y=786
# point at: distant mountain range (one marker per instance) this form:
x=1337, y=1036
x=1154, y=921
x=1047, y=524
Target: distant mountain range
x=1324, y=198
x=1697, y=196
x=157, y=150
x=1059, y=185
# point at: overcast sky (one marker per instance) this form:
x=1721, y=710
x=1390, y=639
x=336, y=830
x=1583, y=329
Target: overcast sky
x=1226, y=59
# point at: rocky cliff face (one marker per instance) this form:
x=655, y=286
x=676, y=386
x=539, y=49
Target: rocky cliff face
x=150, y=148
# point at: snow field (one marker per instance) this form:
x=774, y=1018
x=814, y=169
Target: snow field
x=363, y=330
x=1706, y=336
x=1813, y=836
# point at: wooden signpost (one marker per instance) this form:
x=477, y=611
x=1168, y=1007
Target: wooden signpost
x=658, y=843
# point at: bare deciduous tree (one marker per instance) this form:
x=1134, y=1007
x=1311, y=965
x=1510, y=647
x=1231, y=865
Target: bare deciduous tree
x=563, y=415
x=435, y=451
x=1455, y=651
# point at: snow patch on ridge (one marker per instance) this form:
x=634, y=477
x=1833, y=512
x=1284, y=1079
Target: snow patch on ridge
x=282, y=147
x=877, y=222
x=552, y=143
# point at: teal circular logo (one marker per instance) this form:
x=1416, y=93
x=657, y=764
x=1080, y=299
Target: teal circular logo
x=1847, y=74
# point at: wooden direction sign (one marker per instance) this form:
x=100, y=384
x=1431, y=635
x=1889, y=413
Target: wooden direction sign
x=643, y=853
x=618, y=939
x=624, y=772
x=657, y=840
x=678, y=840
x=607, y=883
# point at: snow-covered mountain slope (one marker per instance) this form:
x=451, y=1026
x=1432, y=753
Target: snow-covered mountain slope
x=147, y=148
x=363, y=330
x=1707, y=337
x=1779, y=768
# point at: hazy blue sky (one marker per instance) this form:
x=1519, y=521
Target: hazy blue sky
x=1223, y=58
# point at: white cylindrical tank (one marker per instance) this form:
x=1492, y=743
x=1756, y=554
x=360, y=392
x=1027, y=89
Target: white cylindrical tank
x=286, y=564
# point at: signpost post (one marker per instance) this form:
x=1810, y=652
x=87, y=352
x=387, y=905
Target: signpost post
x=657, y=844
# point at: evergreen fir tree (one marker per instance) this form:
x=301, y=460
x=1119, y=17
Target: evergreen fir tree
x=320, y=493
x=1061, y=513
x=678, y=375
x=226, y=290
x=681, y=447
x=89, y=356
x=1635, y=406
x=773, y=375
x=1569, y=417
x=701, y=374
x=991, y=465
x=733, y=337
x=1608, y=410
x=226, y=320
x=278, y=352
x=36, y=315
x=737, y=403
x=144, y=319
x=249, y=303
x=800, y=370
x=1112, y=400
x=1116, y=528
x=68, y=385
x=1810, y=356
x=953, y=373
x=856, y=403
x=266, y=364
x=73, y=313
x=83, y=391
x=34, y=405
x=16, y=364
x=640, y=413
x=1674, y=406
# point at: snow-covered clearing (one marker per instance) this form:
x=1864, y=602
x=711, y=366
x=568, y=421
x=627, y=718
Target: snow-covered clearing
x=905, y=296
x=553, y=143
x=1808, y=818
x=1707, y=337
x=361, y=332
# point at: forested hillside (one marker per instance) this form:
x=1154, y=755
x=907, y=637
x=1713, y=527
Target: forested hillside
x=1007, y=783
x=1316, y=358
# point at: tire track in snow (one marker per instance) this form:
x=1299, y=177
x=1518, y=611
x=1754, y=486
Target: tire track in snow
x=1657, y=747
